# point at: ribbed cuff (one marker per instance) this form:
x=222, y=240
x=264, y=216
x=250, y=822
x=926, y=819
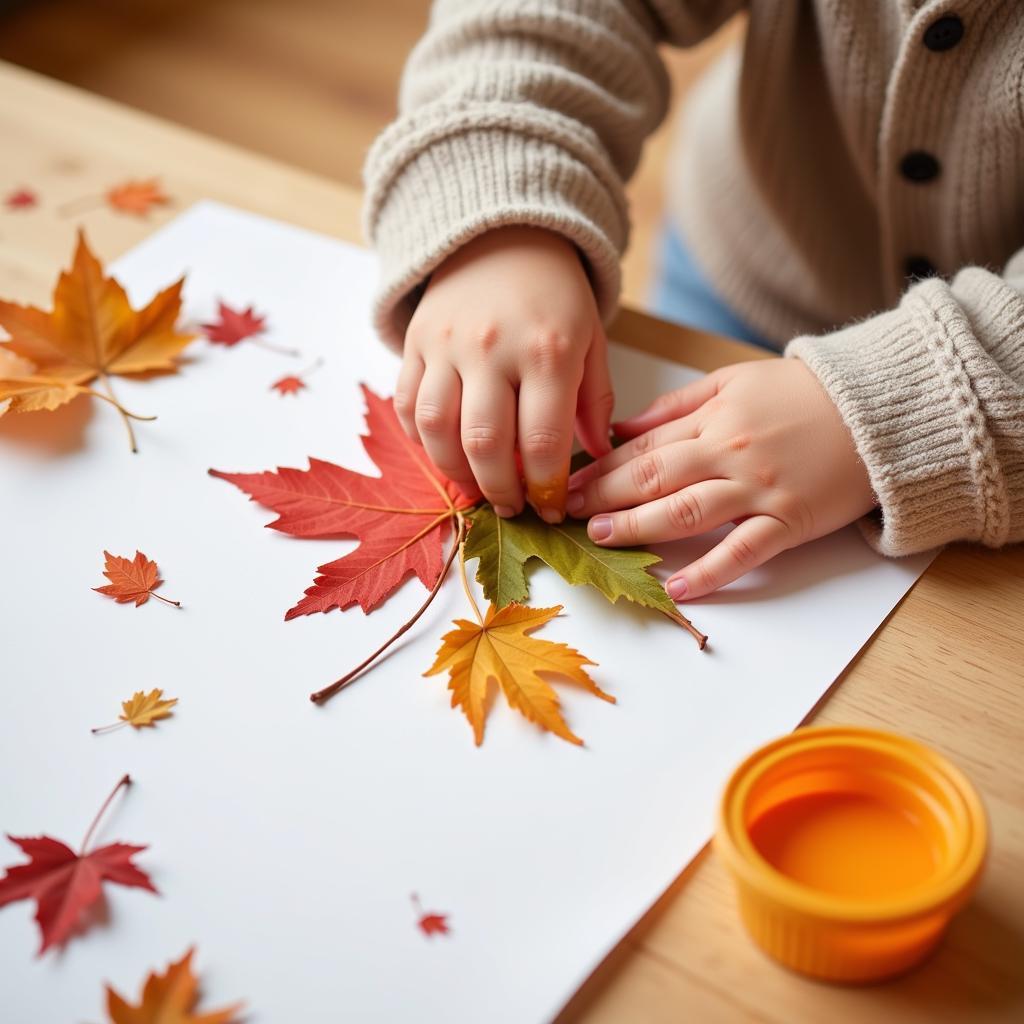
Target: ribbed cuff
x=432, y=188
x=900, y=383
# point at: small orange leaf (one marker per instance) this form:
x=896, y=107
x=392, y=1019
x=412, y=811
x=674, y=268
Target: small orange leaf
x=132, y=579
x=168, y=998
x=288, y=385
x=500, y=650
x=137, y=197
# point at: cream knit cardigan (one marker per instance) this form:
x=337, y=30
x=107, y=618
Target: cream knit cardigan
x=792, y=186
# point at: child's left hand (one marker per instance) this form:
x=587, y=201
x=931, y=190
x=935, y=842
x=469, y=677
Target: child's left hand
x=759, y=443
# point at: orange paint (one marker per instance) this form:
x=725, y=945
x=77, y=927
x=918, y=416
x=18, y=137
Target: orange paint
x=548, y=494
x=846, y=844
x=851, y=850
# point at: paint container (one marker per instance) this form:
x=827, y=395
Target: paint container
x=851, y=850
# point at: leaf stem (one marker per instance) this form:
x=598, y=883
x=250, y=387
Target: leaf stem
x=271, y=347
x=166, y=600
x=120, y=408
x=125, y=780
x=462, y=569
x=690, y=628
x=329, y=691
x=109, y=728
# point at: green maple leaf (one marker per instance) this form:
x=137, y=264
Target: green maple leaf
x=504, y=546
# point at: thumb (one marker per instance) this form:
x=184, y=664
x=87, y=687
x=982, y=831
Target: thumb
x=671, y=406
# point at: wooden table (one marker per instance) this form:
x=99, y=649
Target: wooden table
x=947, y=667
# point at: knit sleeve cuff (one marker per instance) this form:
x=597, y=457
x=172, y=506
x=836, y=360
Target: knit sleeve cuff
x=901, y=383
x=434, y=185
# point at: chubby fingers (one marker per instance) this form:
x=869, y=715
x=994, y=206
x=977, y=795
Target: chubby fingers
x=658, y=472
x=746, y=547
x=670, y=406
x=488, y=437
x=685, y=513
x=547, y=410
x=437, y=417
x=596, y=399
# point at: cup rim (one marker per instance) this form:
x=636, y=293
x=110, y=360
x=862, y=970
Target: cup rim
x=953, y=879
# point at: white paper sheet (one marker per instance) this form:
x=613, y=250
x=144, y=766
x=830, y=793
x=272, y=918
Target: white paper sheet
x=285, y=838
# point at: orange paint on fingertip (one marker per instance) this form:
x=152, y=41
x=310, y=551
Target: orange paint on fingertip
x=851, y=850
x=549, y=494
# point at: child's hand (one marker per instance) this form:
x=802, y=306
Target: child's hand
x=506, y=351
x=760, y=443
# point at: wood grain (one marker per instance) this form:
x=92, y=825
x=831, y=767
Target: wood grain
x=309, y=82
x=946, y=668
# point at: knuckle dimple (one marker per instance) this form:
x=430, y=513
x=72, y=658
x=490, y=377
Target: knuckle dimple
x=430, y=418
x=481, y=441
x=548, y=347
x=486, y=338
x=648, y=474
x=542, y=444
x=741, y=552
x=405, y=403
x=685, y=512
x=643, y=443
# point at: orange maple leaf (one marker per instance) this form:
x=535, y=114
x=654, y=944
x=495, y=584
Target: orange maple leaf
x=168, y=998
x=137, y=197
x=92, y=332
x=499, y=648
x=132, y=580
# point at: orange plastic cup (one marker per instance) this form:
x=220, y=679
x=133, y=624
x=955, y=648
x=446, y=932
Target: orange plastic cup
x=851, y=850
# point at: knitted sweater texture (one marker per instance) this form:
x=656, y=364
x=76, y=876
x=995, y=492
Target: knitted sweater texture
x=845, y=149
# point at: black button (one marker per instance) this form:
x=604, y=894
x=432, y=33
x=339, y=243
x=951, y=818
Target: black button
x=919, y=166
x=944, y=33
x=917, y=268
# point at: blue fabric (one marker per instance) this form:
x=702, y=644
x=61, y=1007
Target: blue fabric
x=682, y=294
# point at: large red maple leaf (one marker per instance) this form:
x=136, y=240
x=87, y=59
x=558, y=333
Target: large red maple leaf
x=65, y=884
x=401, y=518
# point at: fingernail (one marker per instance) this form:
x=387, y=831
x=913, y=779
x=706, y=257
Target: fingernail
x=677, y=589
x=600, y=528
x=551, y=515
x=574, y=501
x=505, y=511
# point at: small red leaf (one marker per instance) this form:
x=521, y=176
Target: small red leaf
x=288, y=385
x=234, y=325
x=430, y=922
x=22, y=199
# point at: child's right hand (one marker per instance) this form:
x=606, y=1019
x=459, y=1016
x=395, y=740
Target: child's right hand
x=506, y=351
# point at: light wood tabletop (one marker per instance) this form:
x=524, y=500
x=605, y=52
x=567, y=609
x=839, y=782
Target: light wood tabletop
x=947, y=667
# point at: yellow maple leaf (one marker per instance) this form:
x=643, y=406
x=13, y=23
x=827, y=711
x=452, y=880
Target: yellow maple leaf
x=143, y=709
x=499, y=649
x=92, y=332
x=168, y=998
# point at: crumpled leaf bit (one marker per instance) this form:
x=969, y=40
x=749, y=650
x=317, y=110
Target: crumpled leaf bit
x=132, y=579
x=92, y=332
x=430, y=922
x=137, y=197
x=288, y=385
x=142, y=710
x=401, y=518
x=501, y=650
x=21, y=199
x=66, y=884
x=168, y=998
